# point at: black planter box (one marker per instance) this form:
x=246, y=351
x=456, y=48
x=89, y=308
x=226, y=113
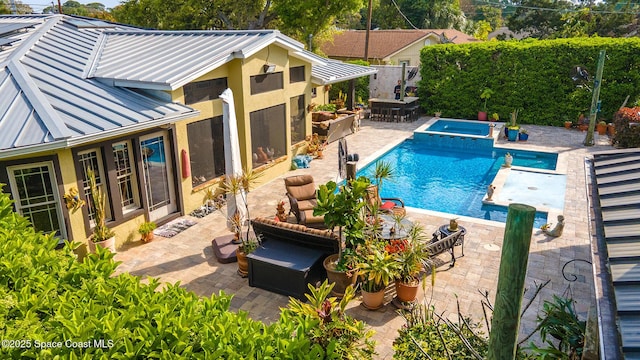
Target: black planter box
x=285, y=268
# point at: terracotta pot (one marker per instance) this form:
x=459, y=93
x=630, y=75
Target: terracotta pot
x=407, y=292
x=567, y=124
x=109, y=244
x=339, y=278
x=611, y=129
x=602, y=129
x=482, y=115
x=373, y=301
x=583, y=127
x=147, y=237
x=243, y=263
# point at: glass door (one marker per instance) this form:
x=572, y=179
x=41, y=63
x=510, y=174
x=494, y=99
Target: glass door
x=158, y=175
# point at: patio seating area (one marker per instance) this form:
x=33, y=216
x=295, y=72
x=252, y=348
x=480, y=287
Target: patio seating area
x=188, y=257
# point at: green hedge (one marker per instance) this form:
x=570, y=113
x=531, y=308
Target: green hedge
x=533, y=76
x=52, y=305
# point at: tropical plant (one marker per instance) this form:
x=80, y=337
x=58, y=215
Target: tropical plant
x=343, y=336
x=325, y=107
x=146, y=227
x=383, y=171
x=495, y=117
x=485, y=95
x=413, y=257
x=44, y=297
x=560, y=321
x=376, y=267
x=342, y=208
x=240, y=185
x=514, y=120
x=101, y=231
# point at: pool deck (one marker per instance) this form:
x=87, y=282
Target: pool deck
x=188, y=256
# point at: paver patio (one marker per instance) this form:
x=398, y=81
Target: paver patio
x=188, y=256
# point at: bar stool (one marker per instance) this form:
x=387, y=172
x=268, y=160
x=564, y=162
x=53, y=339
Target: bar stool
x=376, y=112
x=395, y=114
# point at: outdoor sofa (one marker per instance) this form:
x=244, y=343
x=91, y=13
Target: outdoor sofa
x=289, y=257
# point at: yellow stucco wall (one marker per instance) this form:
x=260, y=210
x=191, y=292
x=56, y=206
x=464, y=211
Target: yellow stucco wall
x=238, y=73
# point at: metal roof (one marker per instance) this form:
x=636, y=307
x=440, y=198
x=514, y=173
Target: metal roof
x=167, y=60
x=333, y=71
x=66, y=80
x=617, y=183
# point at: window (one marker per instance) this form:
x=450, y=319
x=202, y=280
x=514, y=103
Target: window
x=266, y=82
x=199, y=91
x=34, y=188
x=296, y=74
x=92, y=159
x=206, y=149
x=127, y=180
x=268, y=137
x=314, y=92
x=297, y=119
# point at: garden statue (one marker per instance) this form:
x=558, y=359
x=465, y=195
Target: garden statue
x=280, y=212
x=490, y=190
x=557, y=230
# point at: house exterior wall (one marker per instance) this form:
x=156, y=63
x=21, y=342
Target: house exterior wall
x=381, y=84
x=238, y=74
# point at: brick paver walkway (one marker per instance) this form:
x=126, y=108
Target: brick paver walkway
x=188, y=257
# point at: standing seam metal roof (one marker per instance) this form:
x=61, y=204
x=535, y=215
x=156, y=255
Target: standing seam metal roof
x=616, y=178
x=64, y=84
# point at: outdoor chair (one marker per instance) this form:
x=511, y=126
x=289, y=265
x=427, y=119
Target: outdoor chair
x=301, y=191
x=393, y=206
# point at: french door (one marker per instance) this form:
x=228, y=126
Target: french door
x=158, y=175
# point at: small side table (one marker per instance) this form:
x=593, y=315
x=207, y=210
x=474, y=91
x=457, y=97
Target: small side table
x=444, y=232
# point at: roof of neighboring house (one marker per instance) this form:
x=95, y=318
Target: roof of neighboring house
x=616, y=175
x=385, y=43
x=67, y=80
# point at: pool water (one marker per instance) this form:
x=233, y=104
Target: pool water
x=450, y=180
x=460, y=127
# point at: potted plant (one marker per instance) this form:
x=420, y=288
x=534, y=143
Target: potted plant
x=495, y=117
x=611, y=129
x=102, y=235
x=567, y=123
x=484, y=95
x=146, y=231
x=601, y=127
x=412, y=256
x=376, y=269
x=523, y=135
x=583, y=122
x=342, y=208
x=513, y=129
x=240, y=186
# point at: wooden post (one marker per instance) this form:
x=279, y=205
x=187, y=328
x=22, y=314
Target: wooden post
x=513, y=269
x=588, y=140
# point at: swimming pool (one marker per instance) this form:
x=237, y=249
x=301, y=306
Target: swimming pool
x=450, y=180
x=462, y=127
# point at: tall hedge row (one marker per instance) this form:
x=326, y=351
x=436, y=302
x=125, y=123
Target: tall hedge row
x=52, y=306
x=533, y=76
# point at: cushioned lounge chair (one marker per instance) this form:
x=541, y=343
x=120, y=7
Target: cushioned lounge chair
x=301, y=191
x=389, y=205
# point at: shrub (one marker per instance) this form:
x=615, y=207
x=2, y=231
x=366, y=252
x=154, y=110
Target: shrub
x=80, y=310
x=627, y=125
x=530, y=75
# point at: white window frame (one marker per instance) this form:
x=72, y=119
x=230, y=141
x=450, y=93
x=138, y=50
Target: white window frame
x=100, y=182
x=133, y=177
x=54, y=186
